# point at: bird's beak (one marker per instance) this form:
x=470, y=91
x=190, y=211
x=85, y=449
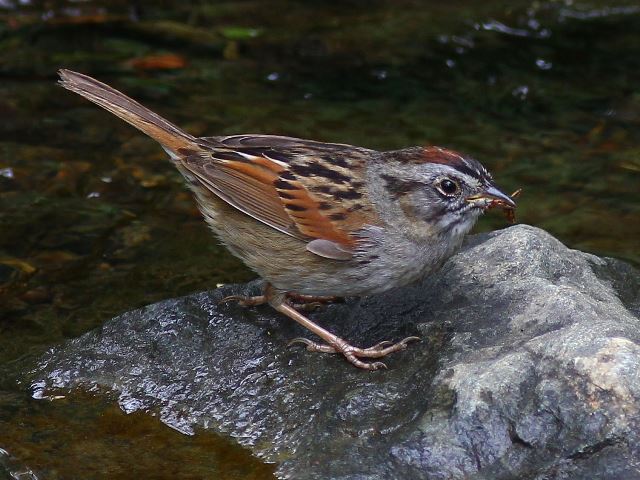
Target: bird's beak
x=492, y=197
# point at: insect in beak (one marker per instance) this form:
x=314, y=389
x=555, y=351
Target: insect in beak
x=492, y=197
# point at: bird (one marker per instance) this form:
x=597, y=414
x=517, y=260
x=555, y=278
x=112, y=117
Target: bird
x=320, y=220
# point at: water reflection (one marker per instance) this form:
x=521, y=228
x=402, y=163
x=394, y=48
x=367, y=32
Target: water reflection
x=89, y=437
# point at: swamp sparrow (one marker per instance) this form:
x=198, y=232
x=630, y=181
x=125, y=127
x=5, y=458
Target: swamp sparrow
x=320, y=219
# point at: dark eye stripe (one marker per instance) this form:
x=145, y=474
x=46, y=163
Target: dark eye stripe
x=398, y=187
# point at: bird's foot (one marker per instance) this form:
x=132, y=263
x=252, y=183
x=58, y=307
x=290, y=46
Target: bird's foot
x=245, y=301
x=353, y=354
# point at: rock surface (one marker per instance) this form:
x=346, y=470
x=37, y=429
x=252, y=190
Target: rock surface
x=528, y=368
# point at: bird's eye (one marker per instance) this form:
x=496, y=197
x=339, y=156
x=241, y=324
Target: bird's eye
x=448, y=187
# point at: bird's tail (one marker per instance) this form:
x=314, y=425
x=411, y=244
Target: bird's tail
x=166, y=133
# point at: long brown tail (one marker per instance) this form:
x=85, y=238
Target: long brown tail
x=161, y=130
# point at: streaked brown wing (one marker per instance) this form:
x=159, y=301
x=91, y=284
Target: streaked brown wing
x=247, y=185
x=309, y=190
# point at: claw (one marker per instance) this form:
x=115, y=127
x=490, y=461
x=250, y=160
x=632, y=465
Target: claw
x=231, y=298
x=312, y=346
x=351, y=355
x=299, y=340
x=381, y=345
x=378, y=366
x=244, y=301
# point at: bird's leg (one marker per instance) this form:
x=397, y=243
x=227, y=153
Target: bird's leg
x=334, y=344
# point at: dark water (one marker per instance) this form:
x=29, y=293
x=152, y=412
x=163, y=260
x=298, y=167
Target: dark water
x=94, y=221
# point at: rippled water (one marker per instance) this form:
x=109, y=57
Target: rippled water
x=94, y=221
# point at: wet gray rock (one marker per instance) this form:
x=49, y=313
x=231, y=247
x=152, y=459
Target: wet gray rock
x=528, y=368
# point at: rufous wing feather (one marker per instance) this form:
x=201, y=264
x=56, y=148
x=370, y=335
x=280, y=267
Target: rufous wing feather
x=267, y=189
x=247, y=186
